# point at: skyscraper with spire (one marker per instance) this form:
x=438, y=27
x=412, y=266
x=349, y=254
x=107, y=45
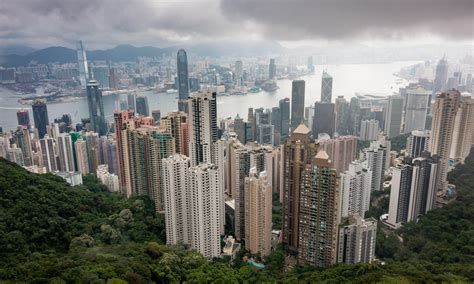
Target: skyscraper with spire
x=183, y=80
x=82, y=64
x=441, y=75
x=297, y=103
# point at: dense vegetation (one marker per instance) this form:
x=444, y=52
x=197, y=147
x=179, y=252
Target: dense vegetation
x=52, y=232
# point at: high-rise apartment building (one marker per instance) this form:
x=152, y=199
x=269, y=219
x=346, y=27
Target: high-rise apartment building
x=297, y=103
x=357, y=240
x=298, y=151
x=319, y=213
x=40, y=116
x=176, y=124
x=417, y=143
x=369, y=130
x=356, y=187
x=342, y=151
x=258, y=213
x=393, y=116
x=183, y=79
x=176, y=199
x=96, y=108
x=414, y=188
x=82, y=160
x=378, y=161
x=445, y=110
x=205, y=207
x=66, y=160
x=463, y=130
x=49, y=153
x=202, y=126
x=326, y=88
x=21, y=137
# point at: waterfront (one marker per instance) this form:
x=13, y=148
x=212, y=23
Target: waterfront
x=348, y=79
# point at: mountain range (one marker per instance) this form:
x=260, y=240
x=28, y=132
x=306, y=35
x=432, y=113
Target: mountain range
x=13, y=57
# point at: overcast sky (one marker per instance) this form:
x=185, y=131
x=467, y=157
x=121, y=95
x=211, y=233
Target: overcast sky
x=106, y=23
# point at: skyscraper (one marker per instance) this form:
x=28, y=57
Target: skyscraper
x=356, y=186
x=369, y=130
x=82, y=64
x=377, y=156
x=174, y=123
x=96, y=108
x=354, y=116
x=132, y=102
x=142, y=106
x=463, y=130
x=441, y=76
x=416, y=110
x=238, y=72
x=284, y=105
x=156, y=114
x=326, y=88
x=417, y=143
x=357, y=240
x=393, y=116
x=183, y=79
x=40, y=115
x=414, y=188
x=23, y=118
x=240, y=129
x=310, y=64
x=319, y=213
x=445, y=109
x=176, y=199
x=272, y=69
x=205, y=208
x=21, y=137
x=297, y=103
x=82, y=160
x=324, y=120
x=66, y=161
x=258, y=213
x=298, y=151
x=49, y=153
x=341, y=151
x=202, y=127
x=342, y=116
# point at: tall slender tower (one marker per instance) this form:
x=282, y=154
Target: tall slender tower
x=183, y=79
x=297, y=153
x=258, y=213
x=174, y=122
x=202, y=127
x=319, y=213
x=441, y=75
x=205, y=210
x=21, y=137
x=66, y=161
x=49, y=153
x=284, y=105
x=96, y=108
x=393, y=116
x=176, y=203
x=463, y=130
x=297, y=103
x=272, y=69
x=82, y=64
x=40, y=115
x=445, y=109
x=326, y=88
x=355, y=190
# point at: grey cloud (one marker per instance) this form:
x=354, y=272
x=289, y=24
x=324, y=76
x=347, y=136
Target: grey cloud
x=339, y=19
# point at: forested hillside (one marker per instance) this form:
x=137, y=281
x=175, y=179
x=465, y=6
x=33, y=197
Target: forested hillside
x=52, y=232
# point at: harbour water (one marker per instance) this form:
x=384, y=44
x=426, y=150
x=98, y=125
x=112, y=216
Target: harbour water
x=347, y=80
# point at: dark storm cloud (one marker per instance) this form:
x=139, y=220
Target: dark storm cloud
x=108, y=22
x=339, y=19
